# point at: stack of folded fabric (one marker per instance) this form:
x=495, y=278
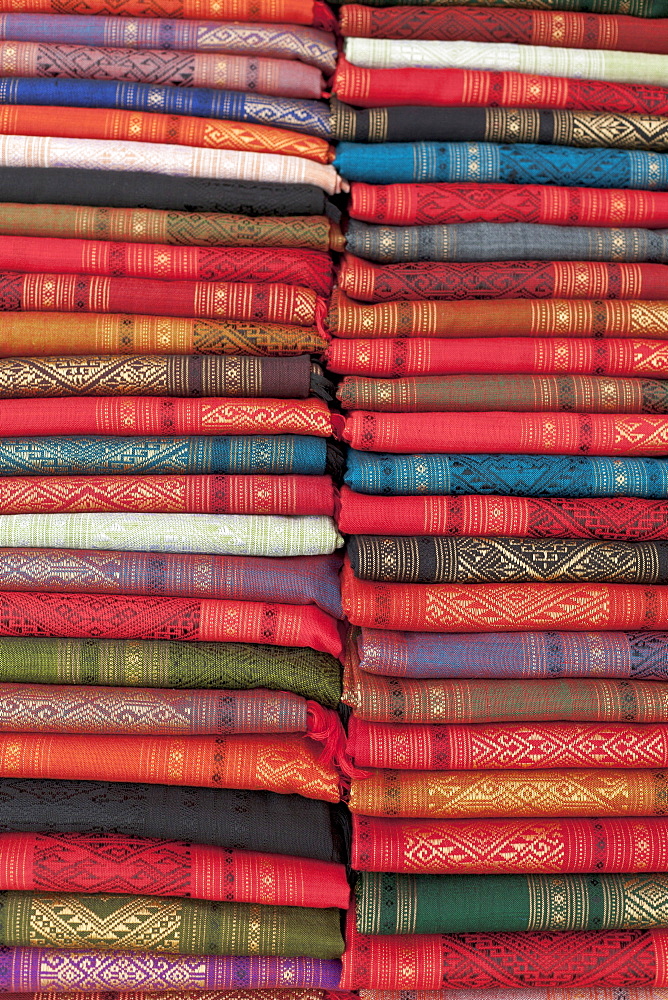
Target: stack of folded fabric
x=171, y=618
x=501, y=323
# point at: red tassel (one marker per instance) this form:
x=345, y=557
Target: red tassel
x=324, y=725
x=320, y=315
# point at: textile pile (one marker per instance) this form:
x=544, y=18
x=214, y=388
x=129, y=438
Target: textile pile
x=171, y=758
x=500, y=325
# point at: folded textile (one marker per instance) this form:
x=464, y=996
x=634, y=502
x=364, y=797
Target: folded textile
x=44, y=334
x=180, y=926
x=246, y=73
x=423, y=204
x=132, y=189
x=163, y=158
x=520, y=393
x=499, y=745
x=377, y=88
x=178, y=665
x=299, y=580
x=512, y=846
x=236, y=994
x=141, y=225
x=274, y=763
x=619, y=519
x=502, y=607
x=495, y=794
x=275, y=303
x=215, y=534
x=438, y=701
x=282, y=41
x=34, y=254
x=297, y=114
x=369, y=282
x=222, y=817
x=578, y=318
x=52, y=708
x=559, y=128
x=525, y=433
x=479, y=961
x=485, y=241
x=544, y=993
x=526, y=163
x=481, y=24
x=447, y=904
x=290, y=11
x=148, y=455
x=58, y=969
x=282, y=495
x=638, y=8
x=591, y=64
x=537, y=475
x=185, y=619
x=424, y=559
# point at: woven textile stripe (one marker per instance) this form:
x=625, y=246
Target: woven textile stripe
x=239, y=820
x=275, y=763
x=177, y=926
x=377, y=88
x=508, y=318
x=638, y=8
x=592, y=64
x=275, y=303
x=255, y=74
x=634, y=655
x=295, y=114
x=310, y=268
x=48, y=969
x=488, y=516
x=369, y=282
x=141, y=225
x=559, y=128
x=479, y=961
x=81, y=616
x=184, y=994
x=285, y=41
x=92, y=456
x=544, y=993
x=162, y=158
x=298, y=581
x=507, y=745
x=532, y=393
x=424, y=204
x=503, y=607
x=142, y=663
x=532, y=27
x=44, y=334
x=422, y=559
x=518, y=241
x=522, y=433
x=290, y=11
x=510, y=475
x=72, y=862
x=48, y=708
x=451, y=904
x=510, y=846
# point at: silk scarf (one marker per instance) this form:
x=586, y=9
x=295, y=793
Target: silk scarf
x=176, y=926
x=283, y=41
x=451, y=904
x=485, y=241
x=503, y=607
x=44, y=334
x=638, y=8
x=185, y=994
x=236, y=819
x=369, y=282
x=535, y=655
x=493, y=746
x=524, y=433
x=481, y=24
x=377, y=88
x=545, y=993
x=515, y=475
x=275, y=763
x=311, y=12
x=523, y=393
x=550, y=204
x=592, y=64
